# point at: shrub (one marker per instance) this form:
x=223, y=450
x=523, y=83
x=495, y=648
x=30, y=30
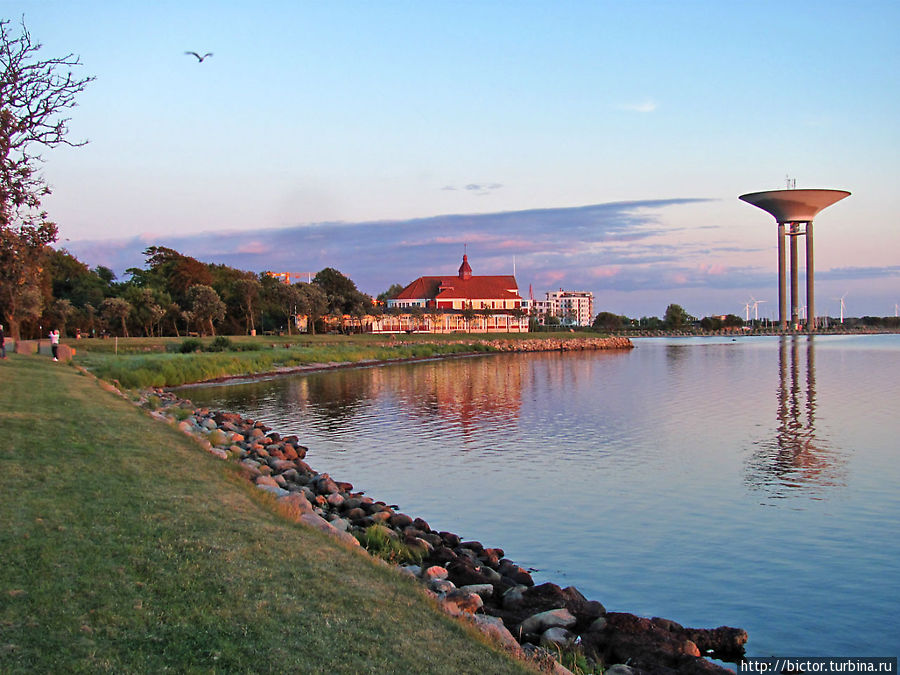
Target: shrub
x=220, y=344
x=377, y=540
x=191, y=345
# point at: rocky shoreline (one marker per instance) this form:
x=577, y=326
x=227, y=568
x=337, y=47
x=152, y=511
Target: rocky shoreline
x=466, y=578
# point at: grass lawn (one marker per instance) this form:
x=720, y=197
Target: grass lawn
x=126, y=548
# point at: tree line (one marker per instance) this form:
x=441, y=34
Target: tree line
x=174, y=295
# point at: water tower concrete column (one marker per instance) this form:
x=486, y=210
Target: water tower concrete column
x=782, y=285
x=810, y=285
x=794, y=211
x=795, y=280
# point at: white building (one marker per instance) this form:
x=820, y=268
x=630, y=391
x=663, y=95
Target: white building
x=574, y=308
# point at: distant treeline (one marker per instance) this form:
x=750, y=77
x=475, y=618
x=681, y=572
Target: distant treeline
x=175, y=295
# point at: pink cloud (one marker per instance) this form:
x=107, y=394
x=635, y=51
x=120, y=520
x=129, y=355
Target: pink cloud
x=605, y=272
x=254, y=248
x=712, y=270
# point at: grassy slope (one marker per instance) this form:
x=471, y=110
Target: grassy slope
x=125, y=548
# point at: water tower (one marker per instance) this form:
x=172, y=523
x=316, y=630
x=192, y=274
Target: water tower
x=794, y=211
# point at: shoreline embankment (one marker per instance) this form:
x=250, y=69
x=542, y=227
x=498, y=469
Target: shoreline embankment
x=466, y=578
x=484, y=347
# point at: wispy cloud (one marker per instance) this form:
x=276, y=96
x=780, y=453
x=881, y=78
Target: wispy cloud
x=479, y=189
x=646, y=106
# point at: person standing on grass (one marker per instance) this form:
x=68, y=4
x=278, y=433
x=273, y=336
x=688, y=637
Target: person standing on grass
x=54, y=343
x=2, y=343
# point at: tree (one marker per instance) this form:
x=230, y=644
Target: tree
x=116, y=308
x=392, y=292
x=313, y=304
x=34, y=95
x=607, y=321
x=675, y=317
x=340, y=291
x=247, y=293
x=22, y=252
x=206, y=306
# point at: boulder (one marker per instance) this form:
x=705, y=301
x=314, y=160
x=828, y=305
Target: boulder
x=434, y=572
x=494, y=628
x=558, y=637
x=294, y=505
x=484, y=590
x=323, y=525
x=441, y=585
x=554, y=618
x=463, y=601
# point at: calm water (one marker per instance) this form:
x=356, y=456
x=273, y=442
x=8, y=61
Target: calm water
x=751, y=483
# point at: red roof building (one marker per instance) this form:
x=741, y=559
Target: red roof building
x=465, y=290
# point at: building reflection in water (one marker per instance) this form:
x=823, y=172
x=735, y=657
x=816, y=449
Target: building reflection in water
x=798, y=460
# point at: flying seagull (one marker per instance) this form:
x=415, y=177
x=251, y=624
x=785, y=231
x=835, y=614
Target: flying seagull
x=200, y=58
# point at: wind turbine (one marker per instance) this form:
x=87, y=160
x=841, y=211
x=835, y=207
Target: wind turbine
x=842, y=306
x=756, y=304
x=747, y=311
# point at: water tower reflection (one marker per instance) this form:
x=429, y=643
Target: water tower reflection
x=797, y=461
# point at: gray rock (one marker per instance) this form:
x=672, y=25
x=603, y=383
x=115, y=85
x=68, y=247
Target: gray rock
x=513, y=597
x=554, y=618
x=340, y=524
x=415, y=570
x=483, y=590
x=277, y=491
x=619, y=669
x=557, y=637
x=441, y=586
x=597, y=625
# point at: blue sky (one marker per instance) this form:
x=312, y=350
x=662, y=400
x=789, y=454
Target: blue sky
x=602, y=145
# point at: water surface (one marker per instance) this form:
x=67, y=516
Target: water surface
x=749, y=482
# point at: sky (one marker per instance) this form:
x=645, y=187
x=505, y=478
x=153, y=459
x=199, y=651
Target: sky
x=596, y=146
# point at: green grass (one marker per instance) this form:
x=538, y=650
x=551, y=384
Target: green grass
x=173, y=369
x=157, y=362
x=125, y=548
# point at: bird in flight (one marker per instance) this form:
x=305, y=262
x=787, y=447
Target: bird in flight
x=200, y=58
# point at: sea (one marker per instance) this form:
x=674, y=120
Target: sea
x=748, y=481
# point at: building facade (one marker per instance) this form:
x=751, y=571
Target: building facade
x=462, y=303
x=572, y=308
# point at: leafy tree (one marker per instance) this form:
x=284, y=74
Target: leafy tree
x=71, y=279
x=469, y=313
x=58, y=314
x=390, y=293
x=313, y=303
x=340, y=292
x=607, y=321
x=733, y=321
x=247, y=291
x=34, y=96
x=22, y=253
x=206, y=306
x=711, y=323
x=116, y=308
x=675, y=317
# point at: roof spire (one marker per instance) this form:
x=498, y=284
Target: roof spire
x=465, y=270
